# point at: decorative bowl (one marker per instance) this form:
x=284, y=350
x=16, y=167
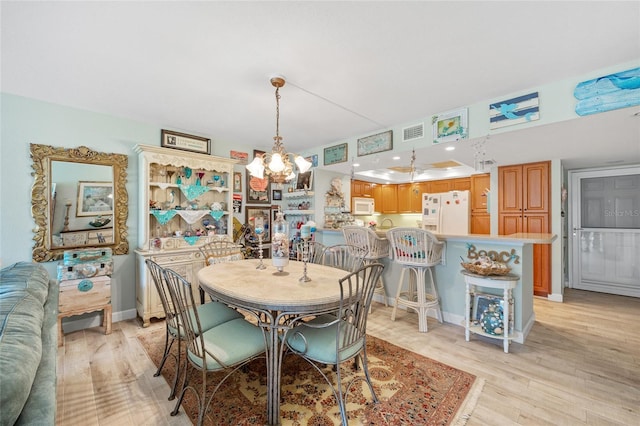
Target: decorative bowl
x=495, y=269
x=100, y=222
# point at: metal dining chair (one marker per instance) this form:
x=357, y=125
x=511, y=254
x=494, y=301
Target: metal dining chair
x=341, y=339
x=316, y=251
x=219, y=251
x=225, y=347
x=211, y=314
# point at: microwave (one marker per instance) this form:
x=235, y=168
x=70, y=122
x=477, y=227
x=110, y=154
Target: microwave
x=362, y=206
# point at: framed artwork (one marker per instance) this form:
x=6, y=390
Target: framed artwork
x=185, y=142
x=304, y=181
x=276, y=195
x=242, y=157
x=313, y=159
x=450, y=126
x=375, y=143
x=259, y=215
x=481, y=302
x=521, y=109
x=258, y=189
x=94, y=199
x=336, y=154
x=237, y=181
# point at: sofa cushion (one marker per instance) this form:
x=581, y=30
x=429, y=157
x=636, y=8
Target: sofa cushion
x=23, y=291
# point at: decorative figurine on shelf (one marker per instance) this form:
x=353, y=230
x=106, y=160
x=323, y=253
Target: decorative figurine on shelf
x=280, y=243
x=305, y=235
x=372, y=224
x=259, y=230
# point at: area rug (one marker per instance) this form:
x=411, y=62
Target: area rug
x=412, y=390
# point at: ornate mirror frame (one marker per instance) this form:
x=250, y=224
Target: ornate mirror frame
x=42, y=156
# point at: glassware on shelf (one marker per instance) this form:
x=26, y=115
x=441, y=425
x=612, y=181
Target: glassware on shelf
x=216, y=180
x=170, y=174
x=280, y=243
x=199, y=179
x=259, y=230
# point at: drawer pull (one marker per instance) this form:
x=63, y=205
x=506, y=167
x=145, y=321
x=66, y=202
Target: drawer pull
x=85, y=285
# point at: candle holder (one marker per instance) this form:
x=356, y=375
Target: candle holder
x=259, y=234
x=305, y=259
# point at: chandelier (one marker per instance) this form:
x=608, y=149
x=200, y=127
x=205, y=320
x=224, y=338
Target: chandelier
x=277, y=164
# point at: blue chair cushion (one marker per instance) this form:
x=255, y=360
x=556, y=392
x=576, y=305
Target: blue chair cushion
x=211, y=314
x=319, y=344
x=232, y=342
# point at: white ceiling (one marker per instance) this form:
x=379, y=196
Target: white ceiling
x=352, y=68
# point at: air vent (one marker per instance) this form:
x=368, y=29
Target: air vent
x=413, y=132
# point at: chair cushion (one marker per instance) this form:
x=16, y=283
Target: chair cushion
x=212, y=314
x=319, y=344
x=232, y=342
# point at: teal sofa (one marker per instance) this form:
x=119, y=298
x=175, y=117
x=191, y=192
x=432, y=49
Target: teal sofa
x=28, y=345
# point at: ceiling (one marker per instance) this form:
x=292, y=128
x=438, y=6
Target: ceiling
x=352, y=69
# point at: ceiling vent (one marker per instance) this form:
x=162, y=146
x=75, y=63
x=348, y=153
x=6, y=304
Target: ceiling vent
x=413, y=132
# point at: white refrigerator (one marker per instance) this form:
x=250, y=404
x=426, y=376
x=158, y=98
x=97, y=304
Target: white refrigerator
x=447, y=212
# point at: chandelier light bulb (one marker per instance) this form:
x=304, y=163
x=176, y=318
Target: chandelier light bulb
x=303, y=164
x=256, y=168
x=276, y=165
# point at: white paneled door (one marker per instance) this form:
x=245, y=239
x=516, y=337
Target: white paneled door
x=604, y=241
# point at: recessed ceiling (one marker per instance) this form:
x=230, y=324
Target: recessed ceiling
x=352, y=68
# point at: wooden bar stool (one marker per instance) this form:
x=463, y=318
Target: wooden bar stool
x=418, y=251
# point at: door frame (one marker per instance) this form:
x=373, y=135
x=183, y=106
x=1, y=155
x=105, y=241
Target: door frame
x=573, y=181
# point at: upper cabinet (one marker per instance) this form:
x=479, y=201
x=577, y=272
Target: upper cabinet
x=409, y=198
x=361, y=188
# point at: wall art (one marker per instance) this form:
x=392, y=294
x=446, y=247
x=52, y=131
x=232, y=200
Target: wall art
x=336, y=154
x=450, y=126
x=521, y=109
x=375, y=143
x=609, y=92
x=185, y=142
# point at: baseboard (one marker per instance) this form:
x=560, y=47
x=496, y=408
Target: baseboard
x=554, y=297
x=71, y=324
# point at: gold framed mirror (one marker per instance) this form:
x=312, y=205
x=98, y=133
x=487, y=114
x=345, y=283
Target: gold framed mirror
x=93, y=210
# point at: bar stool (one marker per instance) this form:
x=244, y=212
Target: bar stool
x=418, y=251
x=377, y=248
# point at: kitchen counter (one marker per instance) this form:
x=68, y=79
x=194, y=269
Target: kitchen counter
x=450, y=282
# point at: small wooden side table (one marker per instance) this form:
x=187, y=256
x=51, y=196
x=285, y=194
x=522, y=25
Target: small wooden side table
x=504, y=282
x=82, y=296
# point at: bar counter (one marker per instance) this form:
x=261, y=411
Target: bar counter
x=450, y=282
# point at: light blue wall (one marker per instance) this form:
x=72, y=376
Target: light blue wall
x=26, y=121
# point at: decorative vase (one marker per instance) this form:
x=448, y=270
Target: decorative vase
x=491, y=320
x=280, y=242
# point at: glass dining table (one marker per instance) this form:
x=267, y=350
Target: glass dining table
x=276, y=297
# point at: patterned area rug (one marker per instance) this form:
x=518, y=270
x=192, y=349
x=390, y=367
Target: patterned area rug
x=412, y=390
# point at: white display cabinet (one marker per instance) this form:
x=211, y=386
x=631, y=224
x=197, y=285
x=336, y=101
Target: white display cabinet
x=184, y=202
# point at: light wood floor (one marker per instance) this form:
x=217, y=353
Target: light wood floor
x=579, y=365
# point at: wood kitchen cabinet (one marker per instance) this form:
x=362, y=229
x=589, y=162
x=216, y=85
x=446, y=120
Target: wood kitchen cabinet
x=409, y=198
x=389, y=202
x=480, y=217
x=523, y=206
x=376, y=190
x=360, y=188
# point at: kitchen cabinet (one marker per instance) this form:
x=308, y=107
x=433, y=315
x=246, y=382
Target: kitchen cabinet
x=377, y=197
x=523, y=206
x=460, y=184
x=480, y=217
x=389, y=202
x=360, y=188
x=409, y=198
x=440, y=186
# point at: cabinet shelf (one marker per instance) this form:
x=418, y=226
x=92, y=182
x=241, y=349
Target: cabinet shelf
x=298, y=212
x=297, y=194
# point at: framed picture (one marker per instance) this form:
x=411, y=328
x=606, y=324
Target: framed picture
x=185, y=142
x=304, y=181
x=336, y=154
x=375, y=143
x=94, y=199
x=276, y=195
x=450, y=126
x=242, y=157
x=237, y=181
x=313, y=159
x=258, y=190
x=259, y=215
x=481, y=302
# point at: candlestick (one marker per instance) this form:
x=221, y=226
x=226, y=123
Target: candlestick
x=259, y=230
x=305, y=256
